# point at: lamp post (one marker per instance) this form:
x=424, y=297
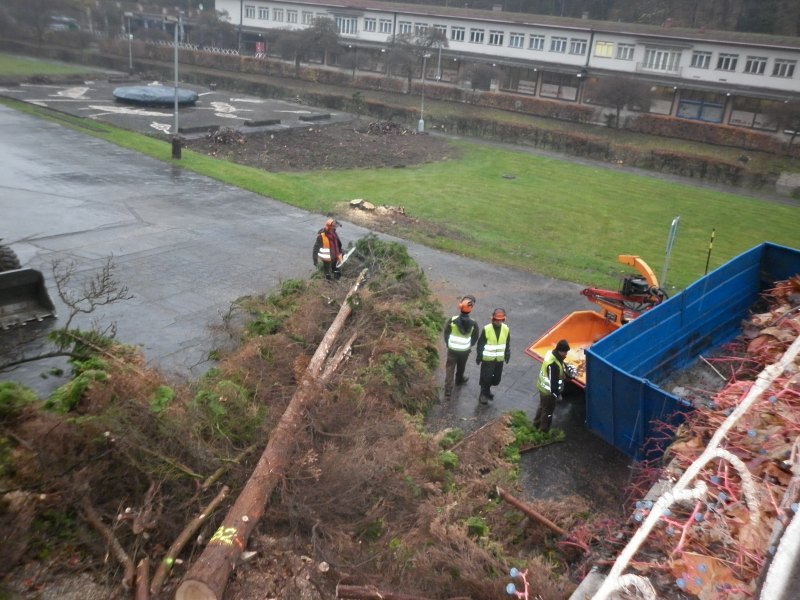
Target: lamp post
x=421, y=123
x=128, y=16
x=176, y=138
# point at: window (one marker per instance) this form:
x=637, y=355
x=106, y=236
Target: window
x=604, y=49
x=277, y=14
x=625, y=51
x=536, y=42
x=249, y=12
x=441, y=30
x=496, y=38
x=577, y=46
x=516, y=40
x=308, y=17
x=727, y=62
x=755, y=65
x=659, y=59
x=701, y=60
x=385, y=25
x=291, y=16
x=263, y=13
x=420, y=29
x=405, y=27
x=476, y=36
x=457, y=34
x=558, y=44
x=783, y=68
x=347, y=25
x=370, y=24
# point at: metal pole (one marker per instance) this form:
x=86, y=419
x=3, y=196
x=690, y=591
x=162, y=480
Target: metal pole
x=710, y=244
x=439, y=64
x=176, y=139
x=421, y=123
x=673, y=231
x=130, y=54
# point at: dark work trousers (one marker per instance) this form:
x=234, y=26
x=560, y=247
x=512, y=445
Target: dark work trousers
x=331, y=270
x=544, y=416
x=454, y=370
x=491, y=373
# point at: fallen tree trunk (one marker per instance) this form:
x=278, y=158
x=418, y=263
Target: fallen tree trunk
x=530, y=512
x=207, y=578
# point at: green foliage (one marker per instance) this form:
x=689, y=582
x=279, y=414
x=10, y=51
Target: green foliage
x=449, y=460
x=477, y=527
x=526, y=435
x=264, y=324
x=161, y=399
x=81, y=343
x=450, y=438
x=372, y=531
x=50, y=529
x=69, y=395
x=13, y=398
x=225, y=408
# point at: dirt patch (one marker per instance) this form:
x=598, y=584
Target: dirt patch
x=355, y=145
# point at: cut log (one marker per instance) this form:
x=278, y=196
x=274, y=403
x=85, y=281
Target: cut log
x=165, y=566
x=207, y=578
x=530, y=512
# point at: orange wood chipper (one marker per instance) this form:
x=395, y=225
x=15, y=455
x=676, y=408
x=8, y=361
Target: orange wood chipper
x=583, y=328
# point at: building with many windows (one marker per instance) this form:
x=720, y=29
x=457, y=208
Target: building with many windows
x=713, y=76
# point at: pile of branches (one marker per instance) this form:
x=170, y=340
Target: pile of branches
x=387, y=128
x=712, y=540
x=122, y=471
x=226, y=136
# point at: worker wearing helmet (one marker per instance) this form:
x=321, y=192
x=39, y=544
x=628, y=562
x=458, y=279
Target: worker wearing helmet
x=494, y=350
x=460, y=335
x=551, y=380
x=328, y=250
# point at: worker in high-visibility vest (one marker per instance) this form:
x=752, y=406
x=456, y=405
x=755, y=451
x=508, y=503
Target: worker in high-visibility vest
x=328, y=250
x=550, y=384
x=460, y=335
x=494, y=351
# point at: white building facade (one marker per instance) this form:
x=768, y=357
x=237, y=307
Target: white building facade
x=722, y=77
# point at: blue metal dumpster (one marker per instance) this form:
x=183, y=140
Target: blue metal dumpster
x=622, y=402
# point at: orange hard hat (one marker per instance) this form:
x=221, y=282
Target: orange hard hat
x=331, y=224
x=499, y=314
x=466, y=304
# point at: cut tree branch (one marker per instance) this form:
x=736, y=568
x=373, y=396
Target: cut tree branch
x=530, y=512
x=207, y=578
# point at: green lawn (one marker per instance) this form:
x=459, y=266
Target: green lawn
x=22, y=66
x=554, y=217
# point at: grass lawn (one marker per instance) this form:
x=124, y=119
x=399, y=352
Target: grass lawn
x=23, y=66
x=553, y=217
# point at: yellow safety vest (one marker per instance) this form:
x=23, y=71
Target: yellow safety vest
x=495, y=348
x=458, y=342
x=544, y=381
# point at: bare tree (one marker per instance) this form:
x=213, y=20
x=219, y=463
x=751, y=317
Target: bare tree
x=407, y=51
x=213, y=28
x=99, y=289
x=619, y=92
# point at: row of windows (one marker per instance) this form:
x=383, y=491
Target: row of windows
x=754, y=65
x=655, y=59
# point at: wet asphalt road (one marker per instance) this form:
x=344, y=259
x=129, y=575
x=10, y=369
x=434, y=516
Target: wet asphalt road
x=186, y=246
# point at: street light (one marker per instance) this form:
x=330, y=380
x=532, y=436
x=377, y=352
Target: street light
x=176, y=138
x=130, y=54
x=421, y=124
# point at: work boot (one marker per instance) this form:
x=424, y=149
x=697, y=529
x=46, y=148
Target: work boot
x=462, y=381
x=489, y=395
x=483, y=399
